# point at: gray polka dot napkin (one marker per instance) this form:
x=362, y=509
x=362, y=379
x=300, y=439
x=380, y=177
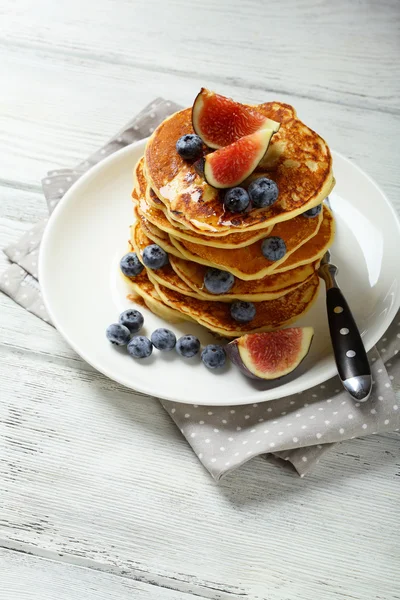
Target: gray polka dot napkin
x=299, y=428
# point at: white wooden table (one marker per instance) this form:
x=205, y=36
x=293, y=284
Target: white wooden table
x=100, y=496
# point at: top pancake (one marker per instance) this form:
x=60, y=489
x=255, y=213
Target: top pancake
x=155, y=211
x=298, y=160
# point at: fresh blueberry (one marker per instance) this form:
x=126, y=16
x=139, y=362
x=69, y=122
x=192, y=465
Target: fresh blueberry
x=140, y=347
x=118, y=334
x=213, y=356
x=236, y=200
x=217, y=281
x=163, y=339
x=313, y=212
x=263, y=192
x=130, y=265
x=154, y=257
x=273, y=248
x=243, y=312
x=189, y=146
x=132, y=319
x=188, y=346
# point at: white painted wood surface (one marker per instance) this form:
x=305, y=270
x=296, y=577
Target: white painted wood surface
x=21, y=573
x=100, y=496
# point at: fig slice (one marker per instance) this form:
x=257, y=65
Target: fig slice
x=271, y=355
x=220, y=121
x=229, y=166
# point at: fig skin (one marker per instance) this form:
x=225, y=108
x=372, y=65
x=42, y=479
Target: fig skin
x=199, y=166
x=233, y=351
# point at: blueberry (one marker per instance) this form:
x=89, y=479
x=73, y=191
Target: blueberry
x=213, y=356
x=188, y=346
x=154, y=257
x=236, y=200
x=130, y=265
x=273, y=248
x=243, y=312
x=118, y=334
x=313, y=212
x=217, y=281
x=132, y=319
x=189, y=146
x=263, y=192
x=140, y=347
x=163, y=339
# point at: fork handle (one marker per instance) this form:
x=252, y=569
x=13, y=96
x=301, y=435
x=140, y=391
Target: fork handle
x=350, y=355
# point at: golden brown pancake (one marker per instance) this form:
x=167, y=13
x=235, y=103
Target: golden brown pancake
x=142, y=287
x=176, y=209
x=298, y=160
x=233, y=240
x=156, y=236
x=165, y=276
x=270, y=315
x=314, y=249
x=267, y=288
x=249, y=262
x=157, y=214
x=187, y=277
x=141, y=187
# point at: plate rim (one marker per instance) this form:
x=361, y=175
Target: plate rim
x=255, y=395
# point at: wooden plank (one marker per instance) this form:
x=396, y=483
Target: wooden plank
x=338, y=52
x=96, y=473
x=21, y=206
x=23, y=575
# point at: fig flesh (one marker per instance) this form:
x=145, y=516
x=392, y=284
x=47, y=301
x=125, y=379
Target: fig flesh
x=271, y=355
x=220, y=121
x=229, y=166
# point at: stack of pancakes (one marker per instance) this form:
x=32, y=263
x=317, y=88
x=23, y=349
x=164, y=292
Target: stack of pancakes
x=176, y=209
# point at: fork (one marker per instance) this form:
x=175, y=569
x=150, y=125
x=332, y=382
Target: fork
x=350, y=355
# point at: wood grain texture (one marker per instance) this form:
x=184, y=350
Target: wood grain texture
x=23, y=207
x=96, y=481
x=22, y=573
x=310, y=48
x=99, y=475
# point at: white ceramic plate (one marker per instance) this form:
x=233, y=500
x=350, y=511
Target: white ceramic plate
x=83, y=291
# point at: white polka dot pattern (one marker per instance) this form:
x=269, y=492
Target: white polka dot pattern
x=291, y=433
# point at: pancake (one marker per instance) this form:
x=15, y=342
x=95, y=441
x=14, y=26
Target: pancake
x=142, y=287
x=187, y=277
x=267, y=288
x=168, y=278
x=249, y=263
x=157, y=214
x=298, y=159
x=233, y=240
x=270, y=315
x=140, y=186
x=165, y=276
x=314, y=249
x=176, y=209
x=155, y=236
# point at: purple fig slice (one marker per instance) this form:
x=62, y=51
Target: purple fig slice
x=271, y=355
x=229, y=166
x=220, y=121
